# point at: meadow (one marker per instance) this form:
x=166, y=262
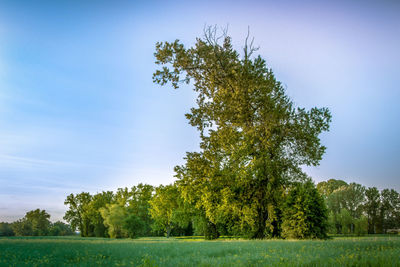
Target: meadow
x=76, y=251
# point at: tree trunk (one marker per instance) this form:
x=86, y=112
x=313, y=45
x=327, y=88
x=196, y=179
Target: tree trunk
x=261, y=223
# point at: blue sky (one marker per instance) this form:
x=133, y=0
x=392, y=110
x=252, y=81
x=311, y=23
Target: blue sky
x=79, y=111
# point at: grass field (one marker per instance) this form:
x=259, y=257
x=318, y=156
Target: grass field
x=75, y=251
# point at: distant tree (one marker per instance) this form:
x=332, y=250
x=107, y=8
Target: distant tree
x=353, y=199
x=326, y=188
x=371, y=207
x=389, y=210
x=34, y=223
x=39, y=220
x=60, y=229
x=6, y=229
x=344, y=201
x=346, y=221
x=22, y=227
x=361, y=226
x=253, y=139
x=333, y=224
x=304, y=213
x=334, y=205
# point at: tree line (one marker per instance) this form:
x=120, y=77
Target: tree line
x=35, y=223
x=335, y=206
x=355, y=209
x=145, y=210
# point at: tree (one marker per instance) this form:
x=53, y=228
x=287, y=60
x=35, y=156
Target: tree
x=345, y=202
x=98, y=201
x=361, y=226
x=22, y=227
x=60, y=229
x=253, y=139
x=371, y=206
x=389, y=210
x=346, y=221
x=114, y=216
x=129, y=213
x=326, y=188
x=304, y=213
x=135, y=226
x=39, y=220
x=138, y=205
x=77, y=213
x=6, y=229
x=168, y=209
x=163, y=204
x=34, y=223
x=353, y=199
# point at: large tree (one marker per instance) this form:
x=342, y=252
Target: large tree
x=253, y=138
x=304, y=212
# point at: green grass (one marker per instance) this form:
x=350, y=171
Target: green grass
x=76, y=251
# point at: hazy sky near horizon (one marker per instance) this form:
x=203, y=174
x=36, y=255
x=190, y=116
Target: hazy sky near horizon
x=79, y=111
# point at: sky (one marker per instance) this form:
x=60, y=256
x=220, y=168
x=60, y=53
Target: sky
x=79, y=111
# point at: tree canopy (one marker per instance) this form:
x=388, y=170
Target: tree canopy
x=253, y=138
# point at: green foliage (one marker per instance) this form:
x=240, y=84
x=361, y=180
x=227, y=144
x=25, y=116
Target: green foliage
x=169, y=211
x=114, y=216
x=353, y=209
x=350, y=197
x=78, y=212
x=39, y=220
x=138, y=203
x=60, y=229
x=361, y=226
x=389, y=215
x=163, y=205
x=6, y=229
x=326, y=188
x=134, y=226
x=372, y=208
x=346, y=221
x=22, y=227
x=304, y=213
x=92, y=212
x=253, y=139
x=35, y=223
x=97, y=215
